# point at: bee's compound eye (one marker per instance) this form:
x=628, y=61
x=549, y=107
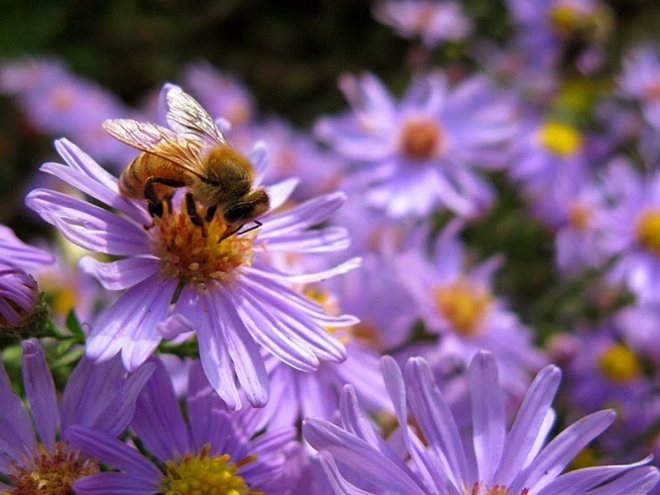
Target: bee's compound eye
x=238, y=212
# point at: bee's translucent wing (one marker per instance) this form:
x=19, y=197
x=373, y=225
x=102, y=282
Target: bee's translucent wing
x=187, y=117
x=158, y=141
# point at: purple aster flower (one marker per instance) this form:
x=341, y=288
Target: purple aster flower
x=631, y=230
x=419, y=153
x=494, y=460
x=550, y=29
x=640, y=80
x=434, y=21
x=296, y=395
x=60, y=103
x=179, y=277
x=19, y=296
x=459, y=305
x=606, y=371
x=15, y=252
x=550, y=156
x=98, y=395
x=221, y=450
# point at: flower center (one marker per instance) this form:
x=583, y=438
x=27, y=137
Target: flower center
x=62, y=98
x=479, y=488
x=199, y=255
x=652, y=91
x=420, y=138
x=648, y=230
x=564, y=19
x=204, y=474
x=579, y=216
x=52, y=472
x=463, y=306
x=561, y=139
x=619, y=364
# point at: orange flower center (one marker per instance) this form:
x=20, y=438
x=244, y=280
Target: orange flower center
x=420, y=138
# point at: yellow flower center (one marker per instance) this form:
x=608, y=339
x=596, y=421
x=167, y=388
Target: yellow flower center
x=199, y=255
x=203, y=474
x=619, y=364
x=420, y=138
x=648, y=230
x=565, y=19
x=52, y=473
x=561, y=139
x=463, y=306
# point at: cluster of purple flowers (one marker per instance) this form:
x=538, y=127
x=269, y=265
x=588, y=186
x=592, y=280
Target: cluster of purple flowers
x=356, y=341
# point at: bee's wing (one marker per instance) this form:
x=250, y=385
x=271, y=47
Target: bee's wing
x=187, y=117
x=158, y=141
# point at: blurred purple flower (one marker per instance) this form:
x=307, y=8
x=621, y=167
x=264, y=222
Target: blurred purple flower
x=58, y=102
x=550, y=156
x=640, y=80
x=222, y=450
x=494, y=460
x=549, y=30
x=221, y=94
x=459, y=305
x=98, y=395
x=434, y=21
x=631, y=230
x=419, y=153
x=179, y=280
x=15, y=252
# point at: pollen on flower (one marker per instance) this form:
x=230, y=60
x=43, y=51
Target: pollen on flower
x=619, y=364
x=462, y=305
x=199, y=255
x=204, y=474
x=559, y=138
x=420, y=138
x=51, y=472
x=648, y=230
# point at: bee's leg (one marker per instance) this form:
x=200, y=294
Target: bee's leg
x=191, y=209
x=210, y=213
x=155, y=204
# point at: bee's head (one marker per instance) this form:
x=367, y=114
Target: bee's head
x=256, y=204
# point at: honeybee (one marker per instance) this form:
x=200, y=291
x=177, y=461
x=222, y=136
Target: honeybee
x=193, y=154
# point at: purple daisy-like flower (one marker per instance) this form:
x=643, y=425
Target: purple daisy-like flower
x=458, y=304
x=19, y=295
x=98, y=395
x=179, y=277
x=434, y=21
x=217, y=450
x=630, y=230
x=58, y=102
x=493, y=460
x=420, y=153
x=547, y=28
x=640, y=80
x=15, y=252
